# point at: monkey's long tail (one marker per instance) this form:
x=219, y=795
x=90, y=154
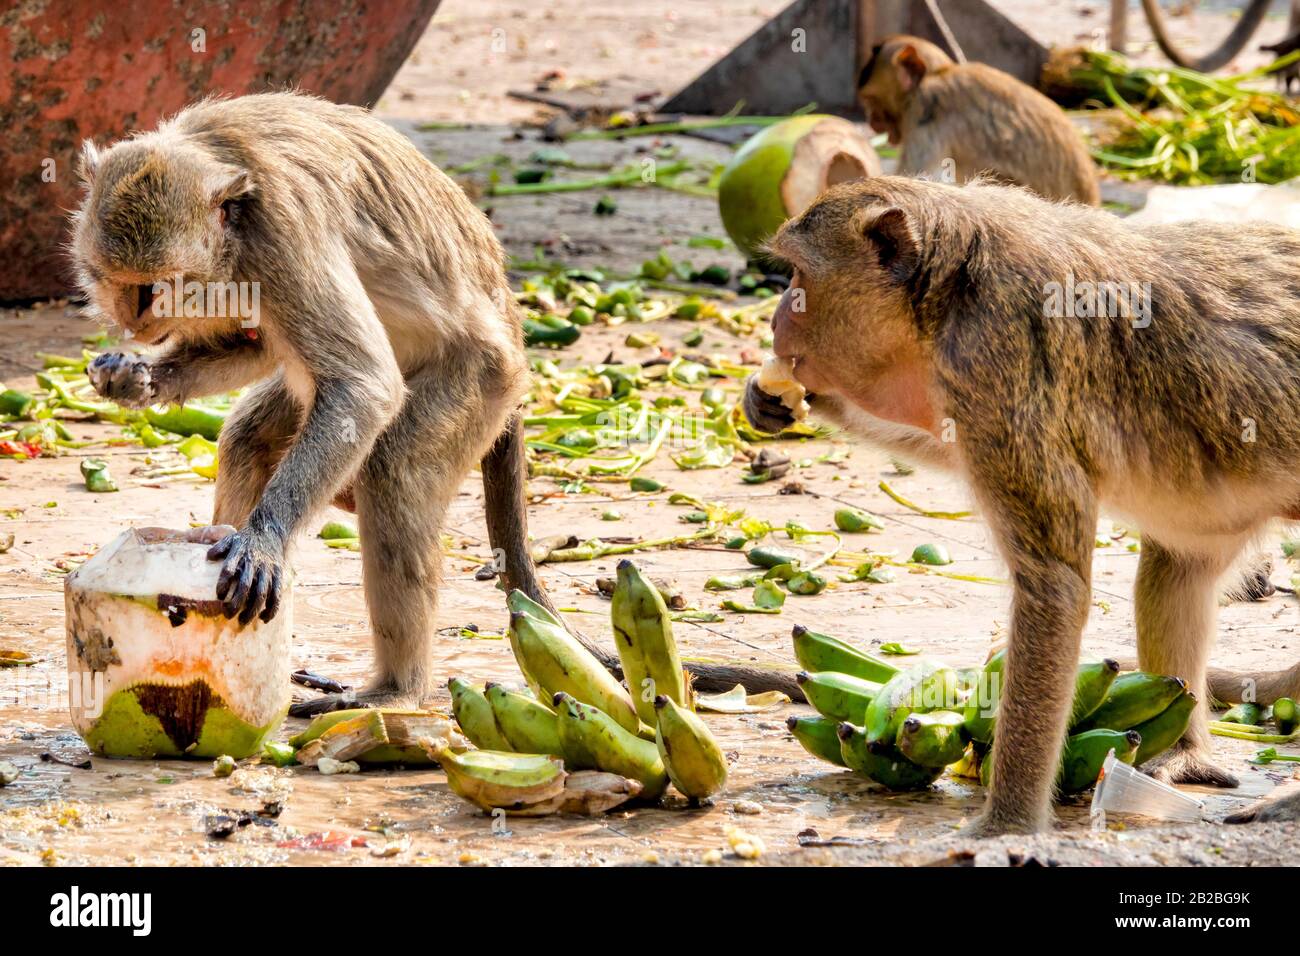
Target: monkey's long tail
x=1232, y=687
x=505, y=469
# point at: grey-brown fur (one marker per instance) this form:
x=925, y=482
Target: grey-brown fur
x=1184, y=425
x=983, y=120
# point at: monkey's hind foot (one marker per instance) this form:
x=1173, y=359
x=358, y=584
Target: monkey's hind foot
x=1281, y=806
x=1184, y=765
x=988, y=825
x=348, y=700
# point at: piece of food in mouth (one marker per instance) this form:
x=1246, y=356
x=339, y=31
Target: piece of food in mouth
x=776, y=377
x=155, y=669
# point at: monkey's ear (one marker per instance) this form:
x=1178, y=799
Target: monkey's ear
x=89, y=164
x=911, y=68
x=233, y=187
x=890, y=233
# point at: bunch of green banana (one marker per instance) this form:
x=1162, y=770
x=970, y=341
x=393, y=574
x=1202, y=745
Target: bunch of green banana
x=903, y=728
x=694, y=761
x=592, y=740
x=553, y=661
x=643, y=632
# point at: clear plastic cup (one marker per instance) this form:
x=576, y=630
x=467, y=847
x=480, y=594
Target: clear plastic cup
x=1127, y=790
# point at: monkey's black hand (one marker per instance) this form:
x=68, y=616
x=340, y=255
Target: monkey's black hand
x=764, y=410
x=252, y=576
x=126, y=379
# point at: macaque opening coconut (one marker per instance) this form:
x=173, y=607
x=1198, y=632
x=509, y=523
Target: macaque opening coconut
x=154, y=668
x=780, y=170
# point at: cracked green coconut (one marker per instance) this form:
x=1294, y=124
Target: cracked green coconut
x=154, y=668
x=778, y=172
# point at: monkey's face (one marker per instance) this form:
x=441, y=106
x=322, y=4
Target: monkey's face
x=152, y=224
x=882, y=102
x=846, y=320
x=889, y=80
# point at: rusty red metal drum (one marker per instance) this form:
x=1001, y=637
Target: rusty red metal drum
x=99, y=69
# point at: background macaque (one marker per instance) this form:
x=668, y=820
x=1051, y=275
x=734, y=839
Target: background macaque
x=914, y=304
x=979, y=118
x=386, y=350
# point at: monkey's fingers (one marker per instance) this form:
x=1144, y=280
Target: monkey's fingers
x=255, y=599
x=272, y=596
x=235, y=581
x=765, y=411
x=222, y=548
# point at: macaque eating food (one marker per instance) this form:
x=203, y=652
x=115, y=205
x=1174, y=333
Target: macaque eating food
x=931, y=319
x=969, y=119
x=363, y=297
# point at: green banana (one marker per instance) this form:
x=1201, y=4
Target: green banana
x=920, y=689
x=1286, y=715
x=821, y=652
x=643, y=631
x=818, y=736
x=1244, y=713
x=1091, y=686
x=1163, y=730
x=592, y=740
x=491, y=779
x=474, y=714
x=1085, y=753
x=935, y=739
x=528, y=726
x=881, y=762
x=558, y=663
x=695, y=763
x=981, y=711
x=1133, y=698
x=838, y=696
x=520, y=603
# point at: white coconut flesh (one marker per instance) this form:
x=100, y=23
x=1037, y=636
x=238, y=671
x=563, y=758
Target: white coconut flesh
x=143, y=616
x=776, y=377
x=832, y=152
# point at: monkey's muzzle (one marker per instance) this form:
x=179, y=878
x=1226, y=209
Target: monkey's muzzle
x=147, y=327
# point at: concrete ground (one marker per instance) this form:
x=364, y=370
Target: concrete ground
x=153, y=811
